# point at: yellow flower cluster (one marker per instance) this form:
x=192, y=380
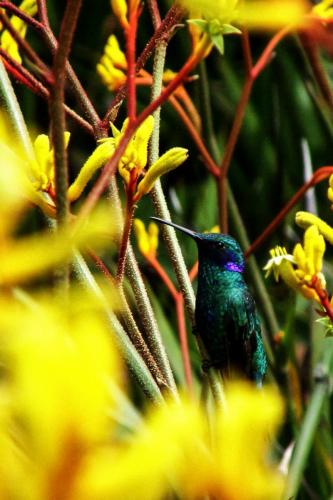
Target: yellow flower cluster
x=7, y=42
x=112, y=66
x=134, y=160
x=299, y=269
x=59, y=411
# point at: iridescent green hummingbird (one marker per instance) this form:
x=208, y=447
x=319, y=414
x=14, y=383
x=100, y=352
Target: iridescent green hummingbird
x=225, y=312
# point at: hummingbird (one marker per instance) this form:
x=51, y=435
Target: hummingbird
x=225, y=313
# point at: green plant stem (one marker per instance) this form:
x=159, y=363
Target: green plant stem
x=12, y=107
x=310, y=423
x=157, y=194
x=139, y=343
x=169, y=233
x=129, y=213
x=153, y=336
x=128, y=352
x=131, y=326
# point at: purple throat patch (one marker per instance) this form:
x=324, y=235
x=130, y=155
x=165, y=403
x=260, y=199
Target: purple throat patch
x=232, y=266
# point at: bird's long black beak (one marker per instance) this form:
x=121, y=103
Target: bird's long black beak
x=193, y=234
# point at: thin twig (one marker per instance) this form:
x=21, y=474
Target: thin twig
x=75, y=85
x=320, y=174
x=10, y=7
x=26, y=47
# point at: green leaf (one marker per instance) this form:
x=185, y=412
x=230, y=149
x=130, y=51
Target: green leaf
x=228, y=29
x=218, y=42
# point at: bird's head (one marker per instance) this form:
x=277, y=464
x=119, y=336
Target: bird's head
x=217, y=248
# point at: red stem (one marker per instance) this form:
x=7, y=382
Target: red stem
x=212, y=167
x=126, y=234
x=163, y=275
x=194, y=271
x=321, y=174
x=111, y=165
x=154, y=13
x=183, y=341
x=165, y=29
x=131, y=69
x=323, y=296
x=229, y=151
x=265, y=57
x=179, y=303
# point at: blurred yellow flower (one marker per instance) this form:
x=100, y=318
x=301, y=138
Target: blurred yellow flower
x=147, y=238
x=228, y=461
x=55, y=396
x=324, y=9
x=217, y=18
x=299, y=269
x=112, y=66
x=7, y=42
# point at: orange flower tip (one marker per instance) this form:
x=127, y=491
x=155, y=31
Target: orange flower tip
x=279, y=337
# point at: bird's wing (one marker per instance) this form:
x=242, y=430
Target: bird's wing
x=242, y=320
x=241, y=311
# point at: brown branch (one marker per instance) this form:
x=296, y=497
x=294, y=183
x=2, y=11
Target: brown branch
x=10, y=7
x=26, y=48
x=56, y=104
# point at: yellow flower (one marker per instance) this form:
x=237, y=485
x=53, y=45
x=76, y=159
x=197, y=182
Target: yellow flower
x=119, y=8
x=96, y=160
x=55, y=398
x=41, y=169
x=280, y=264
x=306, y=219
x=147, y=239
x=7, y=42
x=112, y=66
x=298, y=270
x=134, y=160
x=323, y=9
x=168, y=161
x=22, y=259
x=22, y=174
x=193, y=460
